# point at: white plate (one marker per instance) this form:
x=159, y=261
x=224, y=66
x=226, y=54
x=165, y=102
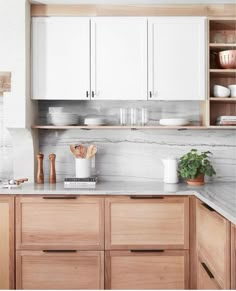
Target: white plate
x=174, y=121
x=94, y=121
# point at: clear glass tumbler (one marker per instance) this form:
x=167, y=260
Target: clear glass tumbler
x=133, y=116
x=123, y=116
x=144, y=116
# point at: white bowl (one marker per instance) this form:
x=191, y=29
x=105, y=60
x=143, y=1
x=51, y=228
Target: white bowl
x=232, y=90
x=174, y=121
x=221, y=91
x=55, y=109
x=62, y=118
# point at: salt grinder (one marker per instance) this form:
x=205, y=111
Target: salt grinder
x=40, y=175
x=52, y=175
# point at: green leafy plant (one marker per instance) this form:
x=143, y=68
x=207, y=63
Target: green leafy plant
x=194, y=163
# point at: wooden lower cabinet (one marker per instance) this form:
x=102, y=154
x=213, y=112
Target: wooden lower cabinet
x=63, y=222
x=134, y=222
x=146, y=270
x=7, y=242
x=55, y=270
x=233, y=256
x=205, y=278
x=213, y=242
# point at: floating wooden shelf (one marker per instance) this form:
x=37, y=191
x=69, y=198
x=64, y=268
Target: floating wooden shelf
x=223, y=72
x=222, y=46
x=217, y=99
x=117, y=127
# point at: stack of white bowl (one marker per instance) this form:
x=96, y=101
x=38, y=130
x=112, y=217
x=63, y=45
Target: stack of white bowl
x=57, y=116
x=222, y=92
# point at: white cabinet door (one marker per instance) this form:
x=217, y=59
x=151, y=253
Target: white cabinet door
x=176, y=54
x=119, y=58
x=60, y=58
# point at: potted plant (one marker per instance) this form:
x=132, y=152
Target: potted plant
x=194, y=165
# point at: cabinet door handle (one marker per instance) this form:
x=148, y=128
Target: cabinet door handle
x=146, y=197
x=209, y=273
x=93, y=94
x=207, y=207
x=59, y=197
x=150, y=94
x=59, y=251
x=147, y=251
x=87, y=94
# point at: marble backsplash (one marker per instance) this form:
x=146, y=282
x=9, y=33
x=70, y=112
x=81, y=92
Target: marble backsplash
x=135, y=155
x=127, y=155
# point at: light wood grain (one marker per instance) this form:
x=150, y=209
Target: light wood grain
x=147, y=223
x=7, y=257
x=192, y=243
x=213, y=243
x=5, y=82
x=233, y=256
x=129, y=270
x=60, y=223
x=204, y=282
x=133, y=10
x=60, y=271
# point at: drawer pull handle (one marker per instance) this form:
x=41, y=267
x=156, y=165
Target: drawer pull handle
x=147, y=251
x=59, y=251
x=146, y=197
x=209, y=273
x=207, y=207
x=60, y=197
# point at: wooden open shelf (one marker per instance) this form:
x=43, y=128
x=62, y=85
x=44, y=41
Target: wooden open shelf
x=217, y=99
x=220, y=29
x=117, y=127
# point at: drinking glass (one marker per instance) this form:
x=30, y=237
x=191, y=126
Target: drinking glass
x=144, y=116
x=123, y=116
x=133, y=116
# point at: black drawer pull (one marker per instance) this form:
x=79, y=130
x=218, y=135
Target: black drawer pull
x=59, y=197
x=59, y=251
x=146, y=197
x=207, y=207
x=209, y=273
x=147, y=251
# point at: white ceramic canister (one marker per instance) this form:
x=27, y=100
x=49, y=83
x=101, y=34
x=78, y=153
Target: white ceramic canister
x=82, y=168
x=170, y=170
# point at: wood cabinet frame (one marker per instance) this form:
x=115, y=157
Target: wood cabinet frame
x=7, y=244
x=233, y=256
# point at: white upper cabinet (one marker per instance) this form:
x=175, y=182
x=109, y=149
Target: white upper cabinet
x=119, y=58
x=176, y=58
x=60, y=58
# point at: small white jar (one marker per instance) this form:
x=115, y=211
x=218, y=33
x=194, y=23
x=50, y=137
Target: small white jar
x=82, y=168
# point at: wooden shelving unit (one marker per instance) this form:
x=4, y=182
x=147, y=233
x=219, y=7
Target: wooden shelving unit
x=220, y=29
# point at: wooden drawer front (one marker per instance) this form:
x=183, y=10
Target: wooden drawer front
x=56, y=271
x=146, y=270
x=213, y=242
x=205, y=279
x=147, y=223
x=56, y=223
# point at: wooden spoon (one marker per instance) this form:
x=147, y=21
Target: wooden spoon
x=83, y=151
x=92, y=149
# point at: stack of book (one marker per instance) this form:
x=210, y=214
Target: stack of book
x=74, y=183
x=226, y=120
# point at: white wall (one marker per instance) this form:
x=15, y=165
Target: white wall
x=14, y=57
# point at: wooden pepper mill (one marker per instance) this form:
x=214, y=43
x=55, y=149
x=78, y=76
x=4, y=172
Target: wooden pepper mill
x=52, y=175
x=40, y=174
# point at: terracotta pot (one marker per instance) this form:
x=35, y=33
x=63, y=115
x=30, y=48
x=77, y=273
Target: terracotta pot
x=198, y=181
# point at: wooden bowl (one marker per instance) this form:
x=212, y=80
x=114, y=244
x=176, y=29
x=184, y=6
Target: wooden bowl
x=227, y=59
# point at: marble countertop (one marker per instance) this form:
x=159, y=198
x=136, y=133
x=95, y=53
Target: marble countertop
x=221, y=196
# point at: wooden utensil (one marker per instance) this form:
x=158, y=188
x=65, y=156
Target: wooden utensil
x=92, y=149
x=75, y=151
x=83, y=151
